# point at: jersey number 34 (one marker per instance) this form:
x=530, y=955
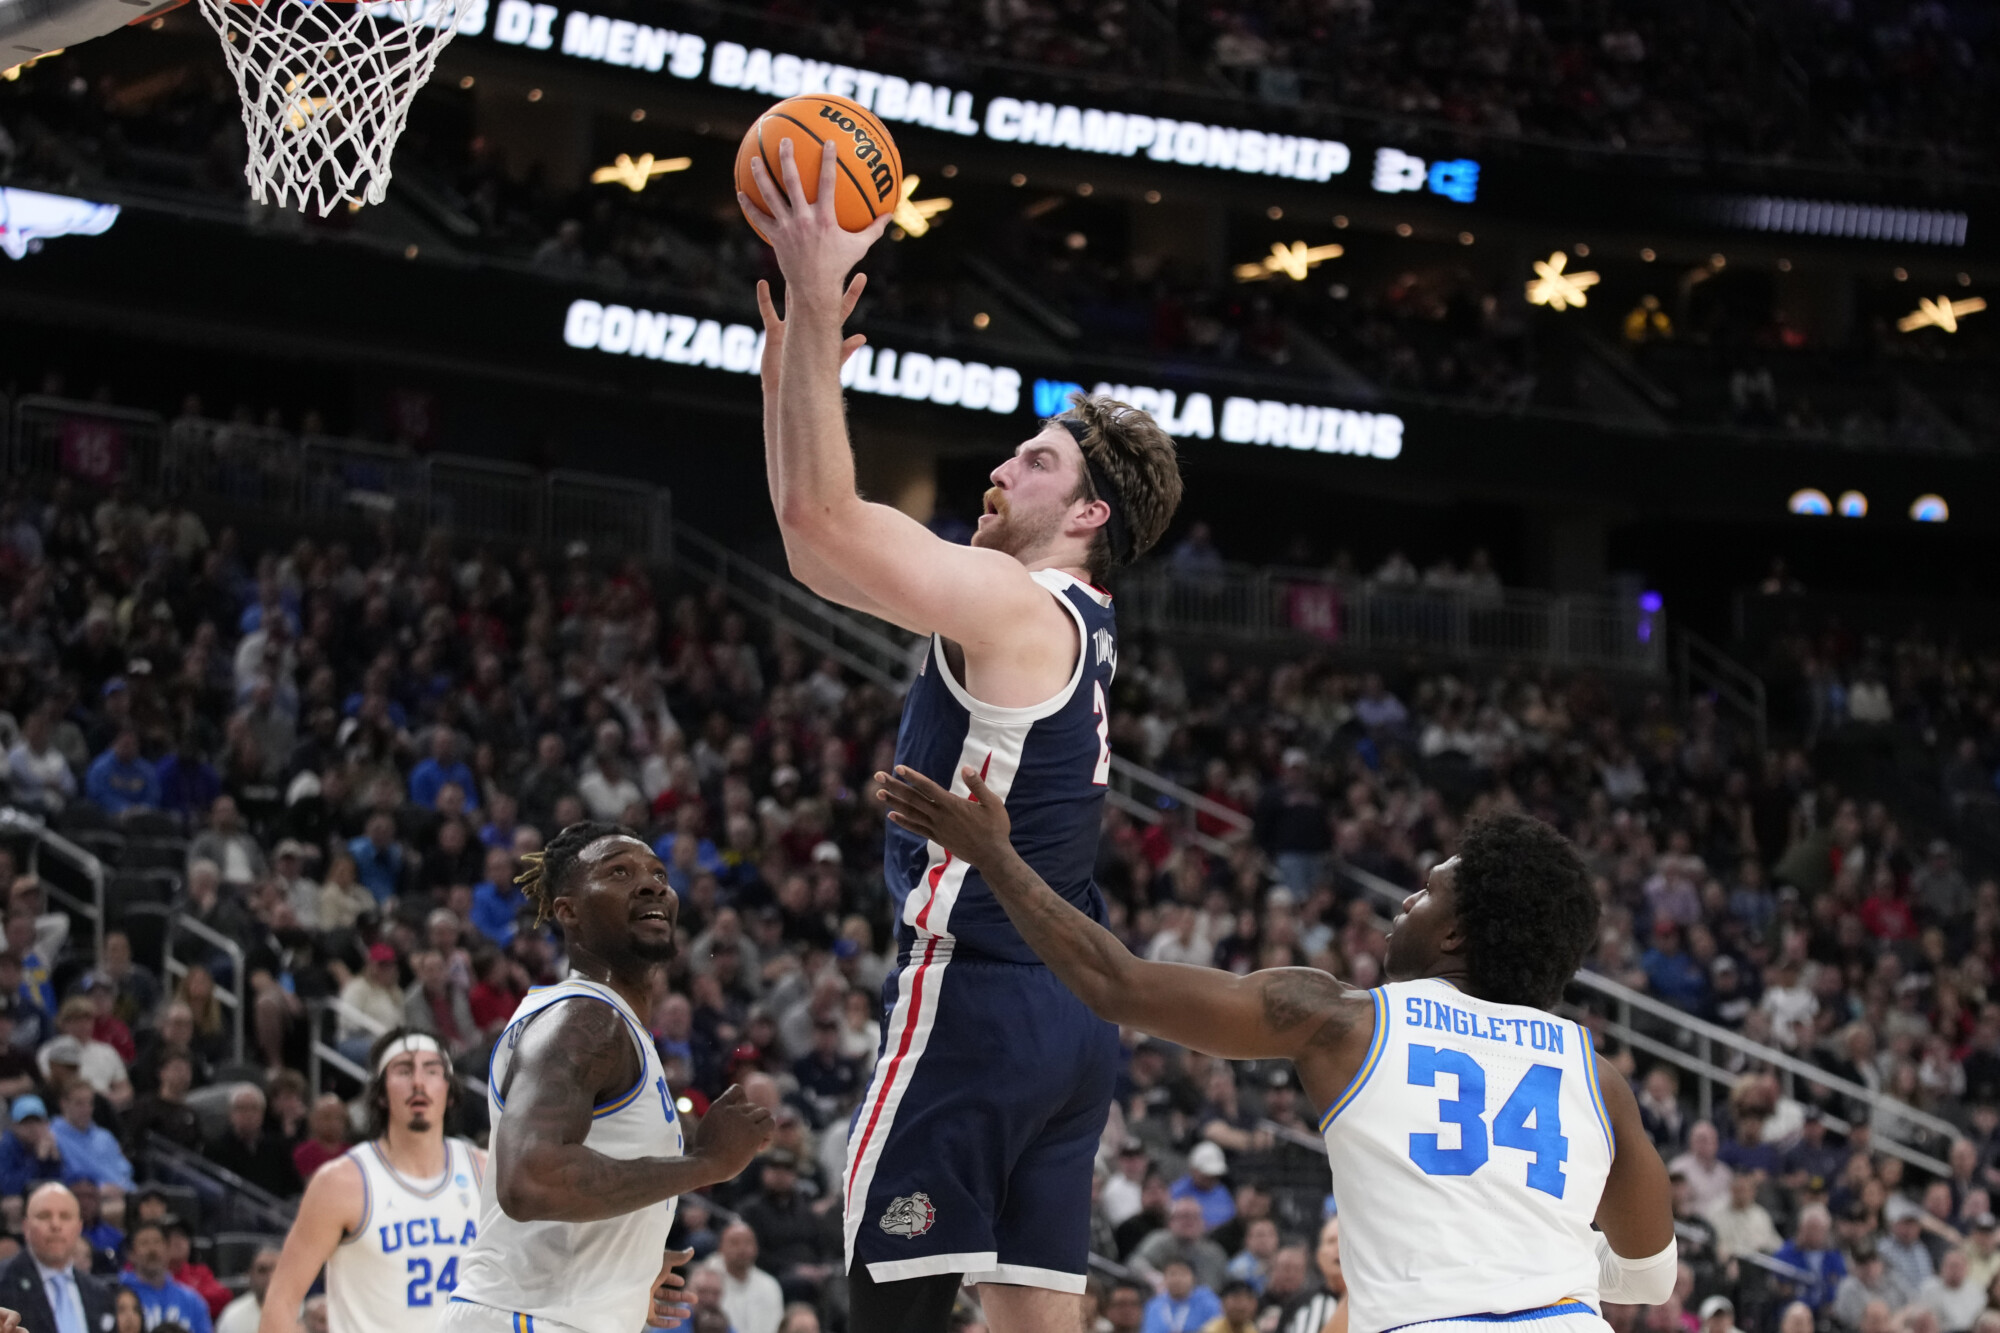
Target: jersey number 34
x=1537, y=1097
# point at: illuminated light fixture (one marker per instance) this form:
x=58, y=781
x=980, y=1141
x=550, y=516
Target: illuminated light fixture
x=1929, y=509
x=534, y=94
x=914, y=215
x=1085, y=189
x=1017, y=180
x=635, y=173
x=1718, y=261
x=1648, y=254
x=1810, y=502
x=1851, y=504
x=1404, y=229
x=1340, y=221
x=1965, y=279
x=1152, y=196
x=301, y=109
x=949, y=171
x=1076, y=240
x=1465, y=238
x=1784, y=266
x=1582, y=250
x=409, y=252
x=1557, y=289
x=465, y=82
x=1274, y=213
x=1294, y=261
x=981, y=320
x=1942, y=313
x=638, y=114
x=14, y=72
x=1901, y=274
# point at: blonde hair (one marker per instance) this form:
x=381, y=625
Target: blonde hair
x=1140, y=461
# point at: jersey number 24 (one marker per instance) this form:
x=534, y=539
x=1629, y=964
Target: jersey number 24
x=1537, y=1096
x=421, y=1285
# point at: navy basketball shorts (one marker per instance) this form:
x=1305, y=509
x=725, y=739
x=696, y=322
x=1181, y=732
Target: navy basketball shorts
x=972, y=1151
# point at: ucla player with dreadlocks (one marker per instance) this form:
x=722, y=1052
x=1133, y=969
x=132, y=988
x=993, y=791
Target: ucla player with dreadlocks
x=587, y=1150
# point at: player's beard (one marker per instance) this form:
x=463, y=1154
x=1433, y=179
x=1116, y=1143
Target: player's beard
x=419, y=1123
x=665, y=951
x=1018, y=534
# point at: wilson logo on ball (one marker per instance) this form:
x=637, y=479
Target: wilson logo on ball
x=865, y=150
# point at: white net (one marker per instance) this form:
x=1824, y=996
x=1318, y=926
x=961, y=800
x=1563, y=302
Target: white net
x=327, y=87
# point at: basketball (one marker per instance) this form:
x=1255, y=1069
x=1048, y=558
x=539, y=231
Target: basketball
x=870, y=180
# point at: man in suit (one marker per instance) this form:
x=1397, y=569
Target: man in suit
x=43, y=1282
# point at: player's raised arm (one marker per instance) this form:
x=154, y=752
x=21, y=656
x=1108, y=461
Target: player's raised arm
x=1294, y=1013
x=870, y=556
x=571, y=1059
x=332, y=1206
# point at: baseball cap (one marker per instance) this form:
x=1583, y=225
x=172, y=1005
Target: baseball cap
x=28, y=1107
x=1984, y=1222
x=1207, y=1158
x=1131, y=1148
x=290, y=847
x=1295, y=757
x=1900, y=1209
x=784, y=774
x=782, y=1157
x=63, y=1051
x=1281, y=1078
x=381, y=953
x=828, y=850
x=1716, y=1305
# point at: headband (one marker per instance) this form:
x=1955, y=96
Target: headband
x=1116, y=531
x=413, y=1043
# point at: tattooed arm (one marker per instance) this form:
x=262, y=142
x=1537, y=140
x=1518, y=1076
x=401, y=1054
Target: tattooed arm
x=1294, y=1013
x=572, y=1057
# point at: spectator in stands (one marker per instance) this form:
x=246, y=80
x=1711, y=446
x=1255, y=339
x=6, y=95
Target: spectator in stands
x=44, y=1283
x=437, y=1004
x=105, y=1240
x=440, y=767
x=238, y=859
x=1903, y=1249
x=1204, y=1184
x=250, y=1150
x=165, y=1111
x=326, y=1136
x=96, y=1062
x=375, y=994
x=1812, y=1250
x=197, y=1278
x=162, y=1298
x=135, y=988
x=43, y=780
x=242, y=1314
x=497, y=901
x=1239, y=1309
x=792, y=1235
x=1707, y=1176
x=1867, y=1282
x=121, y=779
x=750, y=1296
x=88, y=1149
x=1743, y=1226
x=1955, y=1301
x=1292, y=824
x=343, y=898
x=189, y=784
x=28, y=1150
x=174, y=1035
x=1183, y=1238
x=1182, y=1302
x=18, y=1070
x=380, y=861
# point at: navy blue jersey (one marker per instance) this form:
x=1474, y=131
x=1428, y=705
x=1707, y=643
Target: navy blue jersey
x=1050, y=763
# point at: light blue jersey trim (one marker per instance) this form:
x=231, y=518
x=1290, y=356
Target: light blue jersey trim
x=616, y=1104
x=1597, y=1093
x=1374, y=1056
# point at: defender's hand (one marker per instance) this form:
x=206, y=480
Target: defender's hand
x=974, y=830
x=733, y=1132
x=774, y=326
x=814, y=251
x=669, y=1310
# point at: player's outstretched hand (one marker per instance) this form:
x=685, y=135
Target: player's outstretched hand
x=669, y=1310
x=733, y=1132
x=774, y=326
x=814, y=251
x=974, y=830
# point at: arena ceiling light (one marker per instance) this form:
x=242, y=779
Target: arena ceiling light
x=1810, y=501
x=1930, y=509
x=13, y=72
x=1942, y=313
x=1557, y=289
x=914, y=215
x=1294, y=261
x=636, y=173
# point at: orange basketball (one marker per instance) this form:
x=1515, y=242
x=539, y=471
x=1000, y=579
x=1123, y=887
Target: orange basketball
x=869, y=181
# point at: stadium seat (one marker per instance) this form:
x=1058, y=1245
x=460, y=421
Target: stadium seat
x=235, y=1250
x=155, y=853
x=153, y=824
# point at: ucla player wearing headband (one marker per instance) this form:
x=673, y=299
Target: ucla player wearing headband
x=1475, y=1138
x=392, y=1220
x=588, y=1157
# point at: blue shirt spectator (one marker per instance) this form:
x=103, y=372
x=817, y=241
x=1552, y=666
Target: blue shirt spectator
x=706, y=854
x=28, y=1151
x=188, y=783
x=496, y=900
x=1203, y=1184
x=1185, y=1313
x=429, y=776
x=120, y=779
x=167, y=1301
x=378, y=857
x=88, y=1149
x=1674, y=975
x=1814, y=1252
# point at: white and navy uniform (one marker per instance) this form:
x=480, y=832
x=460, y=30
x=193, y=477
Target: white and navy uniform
x=971, y=1151
x=592, y=1277
x=1469, y=1156
x=396, y=1271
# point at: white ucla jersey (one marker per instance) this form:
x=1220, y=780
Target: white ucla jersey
x=593, y=1276
x=395, y=1273
x=1468, y=1155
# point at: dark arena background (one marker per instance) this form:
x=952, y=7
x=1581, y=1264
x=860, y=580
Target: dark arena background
x=1587, y=409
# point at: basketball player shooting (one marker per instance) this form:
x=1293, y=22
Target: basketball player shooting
x=1473, y=1137
x=971, y=1152
x=390, y=1220
x=587, y=1160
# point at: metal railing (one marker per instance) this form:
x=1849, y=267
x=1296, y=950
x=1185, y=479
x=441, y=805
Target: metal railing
x=273, y=476
x=1691, y=1045
x=44, y=839
x=1314, y=607
x=321, y=1054
x=1701, y=666
x=239, y=1205
x=231, y=996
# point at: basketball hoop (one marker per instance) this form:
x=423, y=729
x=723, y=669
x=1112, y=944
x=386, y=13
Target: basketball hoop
x=327, y=87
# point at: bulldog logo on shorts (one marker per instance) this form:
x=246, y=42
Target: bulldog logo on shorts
x=910, y=1216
